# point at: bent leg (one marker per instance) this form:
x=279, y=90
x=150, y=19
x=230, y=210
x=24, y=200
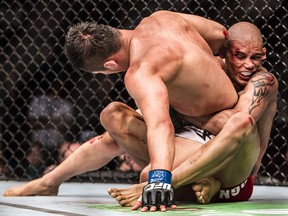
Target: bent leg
x=128, y=129
x=229, y=157
x=237, y=141
x=91, y=155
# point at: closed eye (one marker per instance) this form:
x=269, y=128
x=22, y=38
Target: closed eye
x=240, y=55
x=257, y=57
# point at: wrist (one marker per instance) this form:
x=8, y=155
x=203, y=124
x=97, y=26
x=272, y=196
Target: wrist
x=160, y=175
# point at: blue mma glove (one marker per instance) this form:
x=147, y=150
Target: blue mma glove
x=159, y=190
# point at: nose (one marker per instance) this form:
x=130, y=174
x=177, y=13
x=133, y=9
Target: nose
x=248, y=64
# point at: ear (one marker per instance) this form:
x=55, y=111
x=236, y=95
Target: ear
x=111, y=65
x=264, y=53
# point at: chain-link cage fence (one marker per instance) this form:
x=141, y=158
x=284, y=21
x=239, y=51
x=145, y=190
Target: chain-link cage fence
x=45, y=104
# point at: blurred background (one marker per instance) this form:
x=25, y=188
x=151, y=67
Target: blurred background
x=47, y=109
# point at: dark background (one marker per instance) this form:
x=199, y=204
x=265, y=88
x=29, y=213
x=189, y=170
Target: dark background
x=45, y=102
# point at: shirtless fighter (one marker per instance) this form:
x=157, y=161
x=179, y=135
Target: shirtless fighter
x=234, y=156
x=164, y=68
x=184, y=68
x=168, y=61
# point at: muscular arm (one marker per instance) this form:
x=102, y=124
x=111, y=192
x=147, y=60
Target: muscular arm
x=259, y=99
x=151, y=96
x=259, y=95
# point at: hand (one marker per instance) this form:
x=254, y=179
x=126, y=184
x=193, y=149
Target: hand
x=159, y=193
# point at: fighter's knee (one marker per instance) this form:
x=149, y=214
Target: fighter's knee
x=244, y=118
x=243, y=123
x=111, y=113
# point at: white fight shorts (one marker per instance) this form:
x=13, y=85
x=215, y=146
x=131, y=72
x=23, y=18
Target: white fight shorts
x=194, y=133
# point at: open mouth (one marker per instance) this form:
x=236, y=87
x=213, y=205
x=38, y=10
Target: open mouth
x=246, y=75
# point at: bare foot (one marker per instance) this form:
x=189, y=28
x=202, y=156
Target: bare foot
x=205, y=189
x=31, y=188
x=127, y=197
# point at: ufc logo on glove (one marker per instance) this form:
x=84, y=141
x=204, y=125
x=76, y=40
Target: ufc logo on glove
x=158, y=185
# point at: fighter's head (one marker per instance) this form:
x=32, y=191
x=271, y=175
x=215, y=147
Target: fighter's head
x=244, y=52
x=88, y=45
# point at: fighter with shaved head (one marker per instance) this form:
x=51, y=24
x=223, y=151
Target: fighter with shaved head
x=222, y=169
x=169, y=62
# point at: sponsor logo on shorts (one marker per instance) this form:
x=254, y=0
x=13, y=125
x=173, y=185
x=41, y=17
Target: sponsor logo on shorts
x=227, y=193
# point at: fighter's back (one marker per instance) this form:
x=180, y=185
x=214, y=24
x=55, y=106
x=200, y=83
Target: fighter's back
x=174, y=49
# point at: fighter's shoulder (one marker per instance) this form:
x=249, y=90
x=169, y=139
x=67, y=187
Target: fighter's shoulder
x=265, y=79
x=264, y=74
x=165, y=18
x=162, y=13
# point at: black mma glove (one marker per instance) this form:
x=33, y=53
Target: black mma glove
x=159, y=190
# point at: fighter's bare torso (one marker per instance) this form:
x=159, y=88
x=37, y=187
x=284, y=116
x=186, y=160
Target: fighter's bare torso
x=174, y=50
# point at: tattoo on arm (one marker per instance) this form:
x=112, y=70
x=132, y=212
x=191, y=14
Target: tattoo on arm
x=261, y=88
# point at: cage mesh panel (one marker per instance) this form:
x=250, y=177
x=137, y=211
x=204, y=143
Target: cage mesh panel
x=44, y=102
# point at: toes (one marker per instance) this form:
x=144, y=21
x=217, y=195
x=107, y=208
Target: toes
x=200, y=199
x=111, y=190
x=114, y=195
x=118, y=198
x=203, y=199
x=9, y=193
x=124, y=203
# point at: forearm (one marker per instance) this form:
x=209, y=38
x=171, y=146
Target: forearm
x=161, y=146
x=264, y=126
x=263, y=147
